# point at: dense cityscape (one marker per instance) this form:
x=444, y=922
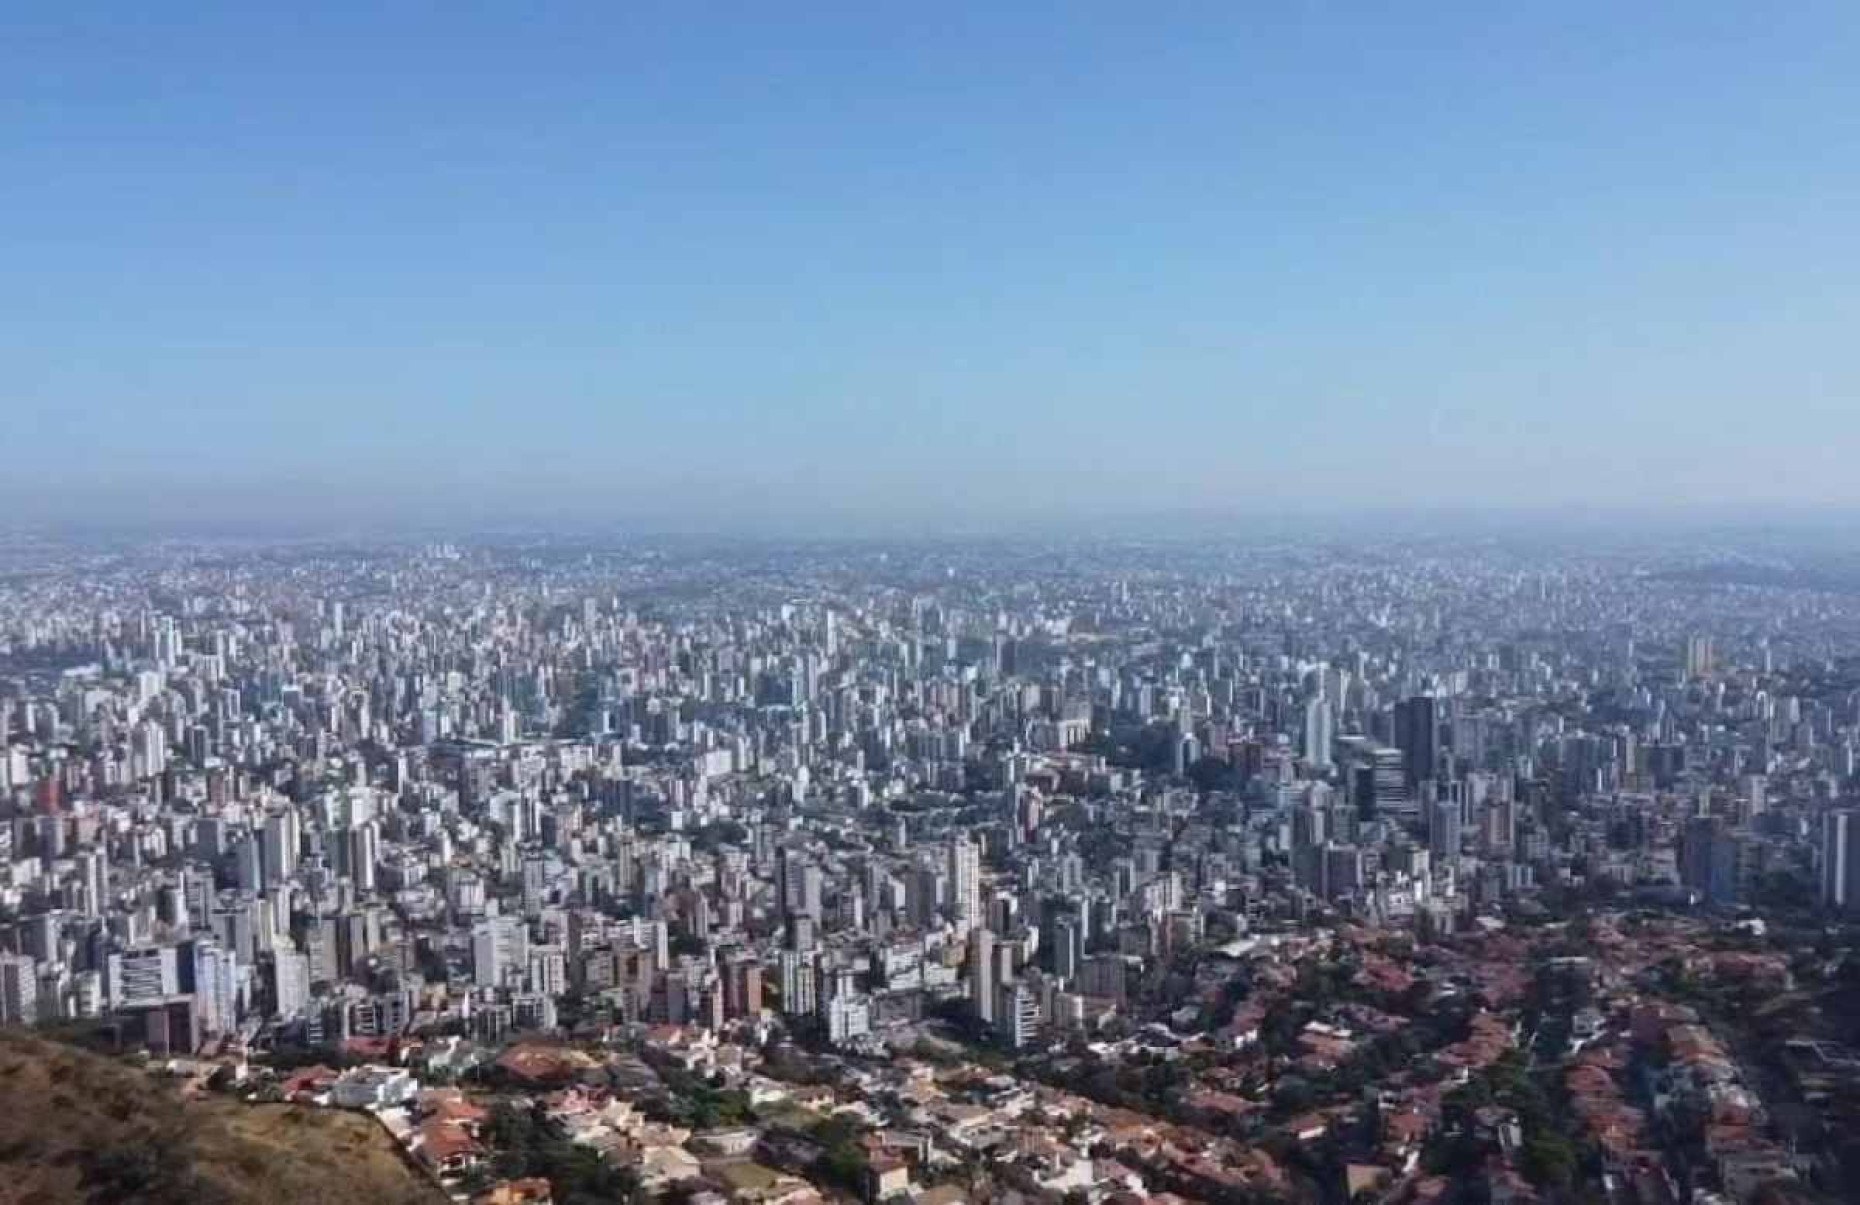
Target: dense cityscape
x=938, y=873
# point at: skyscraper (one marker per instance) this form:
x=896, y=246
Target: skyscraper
x=144, y=976
x=290, y=982
x=982, y=974
x=1017, y=1015
x=1417, y=735
x=743, y=988
x=783, y=874
x=1708, y=860
x=1318, y=732
x=151, y=751
x=1443, y=830
x=249, y=863
x=1840, y=860
x=364, y=853
x=798, y=986
x=499, y=949
x=280, y=845
x=94, y=867
x=19, y=990
x=1378, y=783
x=965, y=880
x=211, y=972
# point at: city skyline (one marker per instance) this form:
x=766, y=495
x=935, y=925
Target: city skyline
x=1302, y=874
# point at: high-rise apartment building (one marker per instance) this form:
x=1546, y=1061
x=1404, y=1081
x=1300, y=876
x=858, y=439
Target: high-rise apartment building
x=965, y=878
x=1318, y=730
x=1840, y=860
x=982, y=974
x=19, y=990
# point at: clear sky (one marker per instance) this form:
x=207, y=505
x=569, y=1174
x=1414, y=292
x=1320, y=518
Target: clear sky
x=937, y=264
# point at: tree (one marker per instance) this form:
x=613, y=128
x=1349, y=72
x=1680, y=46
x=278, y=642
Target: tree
x=529, y=1145
x=1549, y=1161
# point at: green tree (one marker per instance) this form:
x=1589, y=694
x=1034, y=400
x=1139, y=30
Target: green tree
x=1549, y=1161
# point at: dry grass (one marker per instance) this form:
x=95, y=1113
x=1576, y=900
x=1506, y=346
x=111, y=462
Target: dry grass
x=75, y=1127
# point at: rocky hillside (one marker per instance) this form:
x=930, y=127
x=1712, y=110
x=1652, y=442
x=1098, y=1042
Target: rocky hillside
x=76, y=1127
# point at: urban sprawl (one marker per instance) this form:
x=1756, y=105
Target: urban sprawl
x=941, y=873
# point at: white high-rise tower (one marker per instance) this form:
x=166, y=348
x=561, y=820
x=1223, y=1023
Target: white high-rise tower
x=965, y=883
x=1318, y=732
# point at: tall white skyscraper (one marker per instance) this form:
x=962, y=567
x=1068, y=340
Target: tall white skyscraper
x=1840, y=860
x=1017, y=1014
x=982, y=974
x=167, y=642
x=94, y=868
x=798, y=994
x=290, y=982
x=215, y=974
x=281, y=845
x=151, y=750
x=499, y=949
x=1318, y=732
x=965, y=883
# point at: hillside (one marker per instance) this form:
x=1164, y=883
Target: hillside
x=75, y=1127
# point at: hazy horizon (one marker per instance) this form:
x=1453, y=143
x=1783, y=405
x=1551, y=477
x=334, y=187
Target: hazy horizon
x=318, y=515
x=954, y=269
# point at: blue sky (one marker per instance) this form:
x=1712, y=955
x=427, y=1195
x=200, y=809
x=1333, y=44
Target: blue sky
x=929, y=263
